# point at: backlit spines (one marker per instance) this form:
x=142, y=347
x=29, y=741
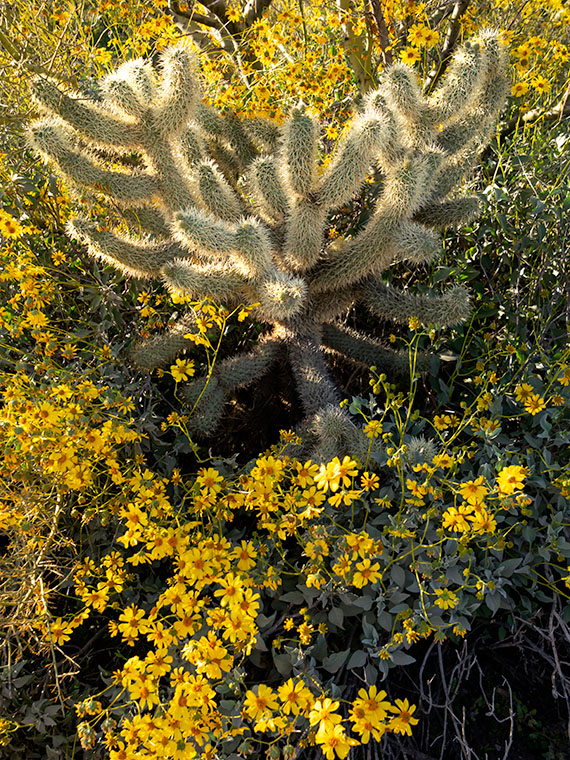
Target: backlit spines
x=134, y=257
x=161, y=350
x=179, y=91
x=300, y=152
x=388, y=302
x=91, y=120
x=55, y=143
x=353, y=158
x=245, y=211
x=267, y=188
x=220, y=283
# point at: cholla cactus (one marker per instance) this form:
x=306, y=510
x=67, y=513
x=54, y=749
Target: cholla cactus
x=239, y=211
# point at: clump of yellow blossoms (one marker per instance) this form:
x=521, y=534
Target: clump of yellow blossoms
x=188, y=680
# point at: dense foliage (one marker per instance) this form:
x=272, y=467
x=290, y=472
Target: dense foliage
x=161, y=598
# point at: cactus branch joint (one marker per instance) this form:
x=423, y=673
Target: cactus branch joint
x=239, y=210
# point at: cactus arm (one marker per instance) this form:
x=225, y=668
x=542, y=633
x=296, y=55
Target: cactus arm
x=239, y=140
x=266, y=186
x=333, y=433
x=210, y=121
x=245, y=369
x=162, y=350
x=226, y=161
x=454, y=212
x=445, y=310
x=219, y=198
x=299, y=152
x=136, y=258
x=192, y=145
x=352, y=159
x=146, y=219
x=315, y=386
x=329, y=305
x=464, y=77
x=92, y=121
x=179, y=91
x=304, y=235
x=281, y=296
x=265, y=132
x=403, y=93
x=228, y=375
x=168, y=162
x=360, y=348
x=450, y=174
x=196, y=228
x=220, y=283
x=206, y=398
x=247, y=244
x=54, y=144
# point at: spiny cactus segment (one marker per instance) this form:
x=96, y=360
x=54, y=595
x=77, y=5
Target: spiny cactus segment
x=239, y=211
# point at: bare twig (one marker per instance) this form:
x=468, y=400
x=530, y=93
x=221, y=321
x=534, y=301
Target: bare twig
x=555, y=114
x=357, y=52
x=448, y=46
x=383, y=35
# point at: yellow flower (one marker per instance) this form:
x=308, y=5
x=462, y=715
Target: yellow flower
x=373, y=428
x=231, y=591
x=262, y=704
x=296, y=697
x=416, y=35
x=442, y=421
x=564, y=378
x=233, y=14
x=373, y=703
x=534, y=404
x=523, y=392
x=410, y=55
x=519, y=89
x=413, y=323
x=305, y=631
x=60, y=631
x=473, y=491
x=455, y=519
x=131, y=622
x=403, y=722
x=324, y=713
x=511, y=479
x=10, y=227
x=305, y=473
x=344, y=497
x=209, y=480
x=182, y=370
x=369, y=481
x=333, y=740
x=336, y=473
x=366, y=573
x=245, y=555
x=446, y=599
x=482, y=521
x=541, y=84
x=430, y=37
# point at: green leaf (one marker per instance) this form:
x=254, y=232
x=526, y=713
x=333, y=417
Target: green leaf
x=295, y=597
x=398, y=575
x=401, y=658
x=283, y=664
x=336, y=617
x=334, y=662
x=358, y=659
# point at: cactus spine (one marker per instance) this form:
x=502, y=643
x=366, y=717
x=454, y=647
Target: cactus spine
x=238, y=211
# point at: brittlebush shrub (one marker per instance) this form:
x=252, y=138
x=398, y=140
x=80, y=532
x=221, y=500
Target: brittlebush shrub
x=317, y=582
